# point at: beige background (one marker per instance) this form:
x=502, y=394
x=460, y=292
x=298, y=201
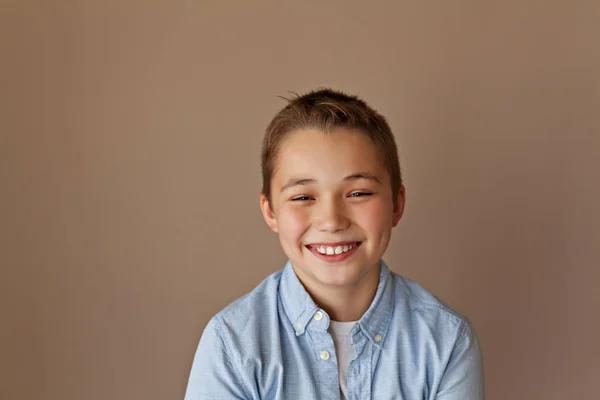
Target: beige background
x=129, y=166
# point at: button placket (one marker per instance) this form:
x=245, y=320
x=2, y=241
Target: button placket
x=318, y=317
x=324, y=357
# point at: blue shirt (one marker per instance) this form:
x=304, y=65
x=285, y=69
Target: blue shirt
x=273, y=343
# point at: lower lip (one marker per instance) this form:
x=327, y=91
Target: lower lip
x=334, y=257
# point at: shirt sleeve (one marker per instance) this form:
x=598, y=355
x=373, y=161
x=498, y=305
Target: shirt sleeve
x=463, y=377
x=213, y=375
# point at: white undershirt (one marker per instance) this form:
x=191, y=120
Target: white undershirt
x=343, y=349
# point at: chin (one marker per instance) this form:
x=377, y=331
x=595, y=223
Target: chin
x=342, y=276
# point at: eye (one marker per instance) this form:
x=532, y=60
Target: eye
x=359, y=194
x=301, y=198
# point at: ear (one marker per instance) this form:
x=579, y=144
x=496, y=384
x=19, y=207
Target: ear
x=268, y=214
x=399, y=206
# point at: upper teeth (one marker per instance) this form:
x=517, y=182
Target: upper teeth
x=329, y=250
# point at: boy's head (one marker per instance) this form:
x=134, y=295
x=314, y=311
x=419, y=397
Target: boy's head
x=332, y=187
x=324, y=110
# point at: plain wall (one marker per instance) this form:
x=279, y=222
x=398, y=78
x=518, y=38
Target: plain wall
x=129, y=174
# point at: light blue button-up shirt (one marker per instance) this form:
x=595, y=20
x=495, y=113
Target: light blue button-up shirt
x=269, y=345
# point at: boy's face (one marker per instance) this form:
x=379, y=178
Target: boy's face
x=332, y=206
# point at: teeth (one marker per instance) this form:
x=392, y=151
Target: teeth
x=349, y=247
x=329, y=250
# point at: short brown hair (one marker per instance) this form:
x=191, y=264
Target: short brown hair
x=325, y=110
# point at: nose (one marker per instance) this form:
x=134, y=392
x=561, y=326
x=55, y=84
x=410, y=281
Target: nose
x=330, y=215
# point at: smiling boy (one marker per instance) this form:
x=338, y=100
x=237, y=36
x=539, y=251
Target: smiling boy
x=335, y=322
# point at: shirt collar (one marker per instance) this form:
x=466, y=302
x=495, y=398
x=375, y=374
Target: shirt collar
x=297, y=303
x=300, y=307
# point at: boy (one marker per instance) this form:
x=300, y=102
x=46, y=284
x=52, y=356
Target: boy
x=335, y=322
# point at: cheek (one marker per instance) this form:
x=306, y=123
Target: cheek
x=293, y=221
x=376, y=217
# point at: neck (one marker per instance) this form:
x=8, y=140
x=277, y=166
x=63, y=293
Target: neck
x=344, y=303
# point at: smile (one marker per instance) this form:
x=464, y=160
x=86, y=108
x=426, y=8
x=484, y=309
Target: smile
x=333, y=252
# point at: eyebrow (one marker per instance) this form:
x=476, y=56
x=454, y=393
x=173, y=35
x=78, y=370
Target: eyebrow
x=297, y=182
x=306, y=181
x=362, y=175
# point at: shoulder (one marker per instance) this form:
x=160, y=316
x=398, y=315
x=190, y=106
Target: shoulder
x=444, y=350
x=252, y=308
x=421, y=307
x=231, y=337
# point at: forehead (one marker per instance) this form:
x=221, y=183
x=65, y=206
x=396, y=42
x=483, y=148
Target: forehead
x=326, y=156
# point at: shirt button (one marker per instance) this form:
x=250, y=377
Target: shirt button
x=318, y=315
x=378, y=337
x=325, y=355
x=299, y=325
